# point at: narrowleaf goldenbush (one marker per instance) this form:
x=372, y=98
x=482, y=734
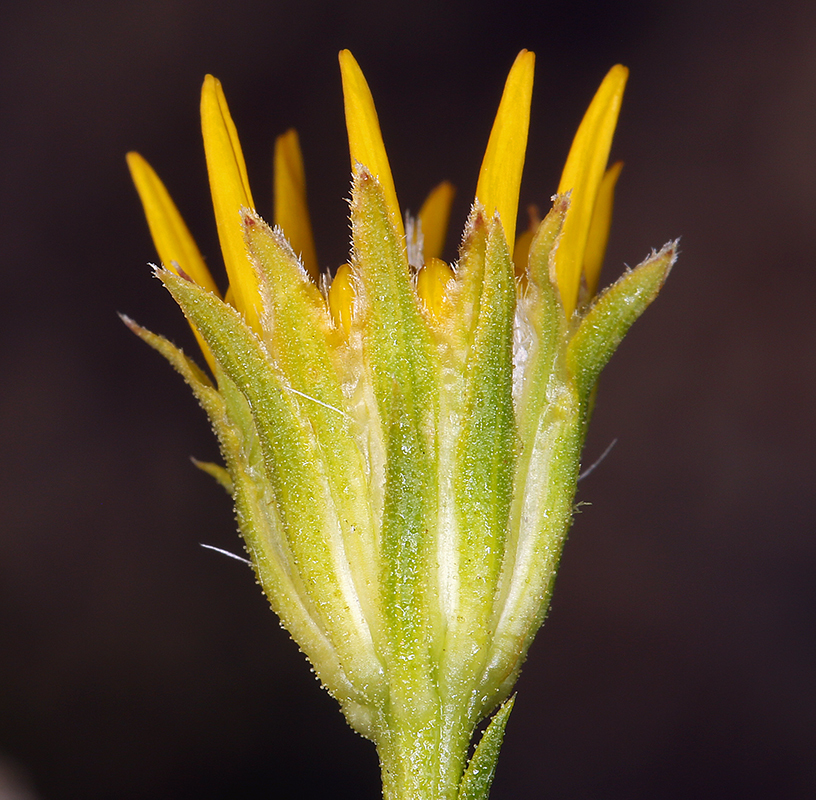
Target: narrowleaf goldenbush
x=402, y=443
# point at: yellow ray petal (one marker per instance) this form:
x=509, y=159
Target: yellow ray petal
x=177, y=249
x=500, y=175
x=230, y=192
x=434, y=216
x=171, y=236
x=291, y=211
x=432, y=281
x=365, y=139
x=582, y=176
x=599, y=228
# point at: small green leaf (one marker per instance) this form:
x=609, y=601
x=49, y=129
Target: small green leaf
x=407, y=486
x=260, y=525
x=406, y=510
x=299, y=492
x=543, y=247
x=217, y=472
x=609, y=318
x=543, y=315
x=466, y=290
x=297, y=332
x=186, y=367
x=483, y=470
x=478, y=777
x=396, y=340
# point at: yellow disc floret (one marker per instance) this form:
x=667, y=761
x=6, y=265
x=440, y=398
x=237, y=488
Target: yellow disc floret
x=341, y=298
x=432, y=281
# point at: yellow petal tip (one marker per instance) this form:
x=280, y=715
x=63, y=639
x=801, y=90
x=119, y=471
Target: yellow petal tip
x=291, y=212
x=503, y=163
x=582, y=177
x=366, y=145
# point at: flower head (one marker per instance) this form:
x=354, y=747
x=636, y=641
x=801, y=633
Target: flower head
x=402, y=442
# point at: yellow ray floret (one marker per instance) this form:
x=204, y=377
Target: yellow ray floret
x=177, y=249
x=174, y=244
x=433, y=217
x=500, y=175
x=291, y=211
x=365, y=139
x=599, y=228
x=229, y=186
x=582, y=177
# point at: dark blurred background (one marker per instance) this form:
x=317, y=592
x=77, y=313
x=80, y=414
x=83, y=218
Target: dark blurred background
x=678, y=659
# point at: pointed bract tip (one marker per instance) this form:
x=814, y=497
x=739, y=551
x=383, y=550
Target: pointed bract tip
x=561, y=203
x=669, y=251
x=131, y=323
x=362, y=179
x=362, y=173
x=476, y=221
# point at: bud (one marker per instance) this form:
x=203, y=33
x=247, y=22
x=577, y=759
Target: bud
x=403, y=446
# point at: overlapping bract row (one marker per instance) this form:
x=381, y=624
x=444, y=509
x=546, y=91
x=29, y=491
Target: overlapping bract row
x=403, y=449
